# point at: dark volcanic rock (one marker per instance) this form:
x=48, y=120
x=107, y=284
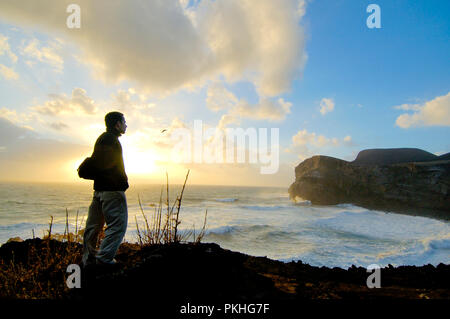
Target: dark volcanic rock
x=389, y=156
x=444, y=157
x=418, y=188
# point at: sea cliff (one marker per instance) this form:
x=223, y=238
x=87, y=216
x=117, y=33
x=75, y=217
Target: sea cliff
x=409, y=181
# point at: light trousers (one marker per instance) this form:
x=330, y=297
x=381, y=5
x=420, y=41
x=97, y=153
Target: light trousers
x=110, y=207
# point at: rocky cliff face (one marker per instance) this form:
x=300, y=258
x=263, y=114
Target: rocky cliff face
x=418, y=188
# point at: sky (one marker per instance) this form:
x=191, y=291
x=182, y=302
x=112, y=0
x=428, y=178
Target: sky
x=313, y=70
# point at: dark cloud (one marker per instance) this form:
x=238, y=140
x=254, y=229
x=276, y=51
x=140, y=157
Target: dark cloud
x=58, y=126
x=26, y=156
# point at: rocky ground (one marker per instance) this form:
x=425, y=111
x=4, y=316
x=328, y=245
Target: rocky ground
x=202, y=273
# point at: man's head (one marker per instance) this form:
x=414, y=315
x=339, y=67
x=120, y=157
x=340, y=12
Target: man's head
x=116, y=120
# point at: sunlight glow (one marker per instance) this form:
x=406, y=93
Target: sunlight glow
x=139, y=162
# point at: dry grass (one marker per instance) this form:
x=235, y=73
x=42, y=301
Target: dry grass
x=163, y=228
x=41, y=272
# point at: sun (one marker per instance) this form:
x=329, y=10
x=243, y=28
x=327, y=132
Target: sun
x=140, y=162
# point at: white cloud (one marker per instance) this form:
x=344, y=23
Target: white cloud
x=432, y=113
x=261, y=41
x=8, y=73
x=138, y=112
x=219, y=98
x=162, y=46
x=303, y=137
x=6, y=49
x=408, y=107
x=58, y=104
x=226, y=120
x=303, y=141
x=266, y=109
x=10, y=115
x=130, y=100
x=326, y=105
x=44, y=54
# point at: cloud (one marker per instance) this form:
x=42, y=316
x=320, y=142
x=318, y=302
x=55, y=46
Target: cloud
x=219, y=98
x=162, y=46
x=43, y=54
x=129, y=100
x=8, y=73
x=304, y=137
x=408, y=107
x=6, y=49
x=261, y=41
x=21, y=119
x=226, y=120
x=432, y=113
x=266, y=109
x=326, y=106
x=348, y=139
x=26, y=156
x=303, y=141
x=164, y=139
x=79, y=102
x=9, y=131
x=138, y=112
x=58, y=126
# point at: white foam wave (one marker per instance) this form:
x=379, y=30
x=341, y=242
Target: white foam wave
x=226, y=200
x=263, y=207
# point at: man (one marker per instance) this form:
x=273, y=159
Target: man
x=109, y=203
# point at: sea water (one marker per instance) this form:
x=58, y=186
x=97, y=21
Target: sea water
x=259, y=221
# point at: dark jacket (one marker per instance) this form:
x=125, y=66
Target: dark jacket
x=108, y=160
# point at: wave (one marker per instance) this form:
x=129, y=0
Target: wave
x=302, y=203
x=437, y=244
x=226, y=200
x=17, y=202
x=238, y=229
x=21, y=226
x=263, y=207
x=345, y=205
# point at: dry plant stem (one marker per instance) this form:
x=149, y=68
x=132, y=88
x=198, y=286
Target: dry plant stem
x=202, y=232
x=66, y=230
x=76, y=225
x=179, y=206
x=159, y=237
x=50, y=227
x=156, y=233
x=167, y=203
x=138, y=232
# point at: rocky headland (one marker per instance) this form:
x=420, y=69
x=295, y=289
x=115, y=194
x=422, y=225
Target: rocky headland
x=401, y=180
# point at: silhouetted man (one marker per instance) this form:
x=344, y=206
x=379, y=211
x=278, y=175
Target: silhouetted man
x=109, y=203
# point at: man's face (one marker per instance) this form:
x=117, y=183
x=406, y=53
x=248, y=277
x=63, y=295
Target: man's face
x=121, y=126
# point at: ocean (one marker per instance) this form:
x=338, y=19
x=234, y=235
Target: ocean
x=259, y=221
